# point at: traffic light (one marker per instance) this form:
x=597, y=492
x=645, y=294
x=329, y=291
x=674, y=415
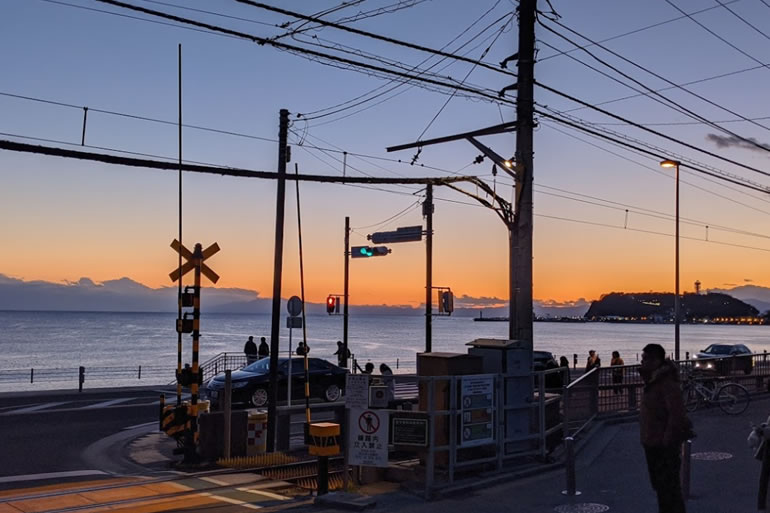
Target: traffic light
x=445, y=301
x=331, y=304
x=368, y=251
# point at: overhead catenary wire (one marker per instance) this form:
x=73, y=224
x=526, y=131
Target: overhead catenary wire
x=488, y=95
x=648, y=129
x=378, y=37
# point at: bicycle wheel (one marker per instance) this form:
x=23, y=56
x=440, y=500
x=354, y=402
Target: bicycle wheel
x=733, y=399
x=691, y=398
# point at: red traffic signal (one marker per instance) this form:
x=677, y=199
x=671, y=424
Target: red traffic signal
x=331, y=303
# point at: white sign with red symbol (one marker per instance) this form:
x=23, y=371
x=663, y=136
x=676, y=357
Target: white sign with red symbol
x=368, y=442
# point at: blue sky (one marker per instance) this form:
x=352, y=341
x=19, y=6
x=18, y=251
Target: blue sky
x=69, y=219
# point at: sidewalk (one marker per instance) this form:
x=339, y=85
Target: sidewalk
x=612, y=475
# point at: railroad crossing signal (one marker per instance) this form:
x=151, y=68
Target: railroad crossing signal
x=368, y=251
x=190, y=264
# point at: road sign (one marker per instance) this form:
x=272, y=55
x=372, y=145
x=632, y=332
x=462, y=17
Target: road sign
x=294, y=306
x=368, y=440
x=409, y=430
x=190, y=264
x=403, y=234
x=293, y=322
x=357, y=391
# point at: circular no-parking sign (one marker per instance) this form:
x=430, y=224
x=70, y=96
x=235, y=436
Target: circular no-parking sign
x=369, y=422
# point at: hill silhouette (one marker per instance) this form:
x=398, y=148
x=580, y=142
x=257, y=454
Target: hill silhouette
x=659, y=307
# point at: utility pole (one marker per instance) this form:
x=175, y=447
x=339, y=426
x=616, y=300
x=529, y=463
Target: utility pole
x=427, y=211
x=347, y=283
x=520, y=314
x=277, y=273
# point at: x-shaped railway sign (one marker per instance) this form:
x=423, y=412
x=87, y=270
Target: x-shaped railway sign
x=191, y=257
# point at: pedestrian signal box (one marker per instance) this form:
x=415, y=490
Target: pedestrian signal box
x=445, y=301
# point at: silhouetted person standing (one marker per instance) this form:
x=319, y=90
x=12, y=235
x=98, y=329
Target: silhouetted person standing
x=250, y=350
x=663, y=426
x=368, y=368
x=264, y=349
x=593, y=360
x=564, y=363
x=302, y=349
x=387, y=379
x=343, y=354
x=617, y=374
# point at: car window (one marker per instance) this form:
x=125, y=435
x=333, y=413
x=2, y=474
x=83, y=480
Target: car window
x=298, y=366
x=743, y=349
x=262, y=365
x=318, y=365
x=717, y=349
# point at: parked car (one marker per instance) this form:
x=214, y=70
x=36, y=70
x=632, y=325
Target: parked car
x=251, y=384
x=542, y=360
x=718, y=358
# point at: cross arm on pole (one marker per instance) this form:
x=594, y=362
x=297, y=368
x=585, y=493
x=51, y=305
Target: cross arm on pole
x=490, y=130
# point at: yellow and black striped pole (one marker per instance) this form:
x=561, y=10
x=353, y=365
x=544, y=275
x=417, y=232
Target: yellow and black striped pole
x=197, y=260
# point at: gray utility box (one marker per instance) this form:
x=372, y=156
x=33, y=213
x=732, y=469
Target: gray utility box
x=513, y=360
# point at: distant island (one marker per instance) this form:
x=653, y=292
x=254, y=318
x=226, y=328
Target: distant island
x=658, y=307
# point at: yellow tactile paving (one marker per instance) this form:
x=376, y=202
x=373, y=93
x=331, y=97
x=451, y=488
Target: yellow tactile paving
x=18, y=492
x=50, y=503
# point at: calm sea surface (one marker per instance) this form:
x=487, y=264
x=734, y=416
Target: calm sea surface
x=67, y=340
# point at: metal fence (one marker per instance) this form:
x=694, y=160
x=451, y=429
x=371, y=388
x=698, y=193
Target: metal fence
x=100, y=374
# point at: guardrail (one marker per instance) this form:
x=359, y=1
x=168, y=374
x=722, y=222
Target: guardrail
x=81, y=375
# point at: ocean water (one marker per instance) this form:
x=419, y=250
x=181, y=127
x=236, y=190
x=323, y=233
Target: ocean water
x=111, y=342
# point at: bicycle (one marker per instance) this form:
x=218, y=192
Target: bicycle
x=732, y=398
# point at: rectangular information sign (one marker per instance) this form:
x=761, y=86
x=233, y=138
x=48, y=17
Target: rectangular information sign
x=477, y=426
x=357, y=391
x=409, y=431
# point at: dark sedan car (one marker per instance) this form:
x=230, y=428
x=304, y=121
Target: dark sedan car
x=252, y=383
x=718, y=358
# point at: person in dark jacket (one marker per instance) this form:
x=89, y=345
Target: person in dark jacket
x=564, y=363
x=250, y=350
x=617, y=374
x=593, y=360
x=264, y=349
x=343, y=354
x=663, y=426
x=302, y=349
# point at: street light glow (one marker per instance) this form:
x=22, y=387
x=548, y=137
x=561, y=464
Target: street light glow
x=508, y=164
x=669, y=163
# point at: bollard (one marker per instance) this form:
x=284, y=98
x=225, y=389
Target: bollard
x=323, y=475
x=687, y=355
x=227, y=407
x=81, y=378
x=396, y=363
x=574, y=360
x=569, y=465
x=32, y=375
x=140, y=373
x=686, y=460
x=160, y=414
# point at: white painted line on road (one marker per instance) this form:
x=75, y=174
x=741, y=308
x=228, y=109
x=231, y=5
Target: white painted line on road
x=104, y=404
x=215, y=481
x=37, y=407
x=264, y=493
x=230, y=501
x=153, y=423
x=51, y=475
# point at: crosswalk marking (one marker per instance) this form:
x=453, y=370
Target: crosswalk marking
x=37, y=407
x=104, y=404
x=230, y=501
x=264, y=493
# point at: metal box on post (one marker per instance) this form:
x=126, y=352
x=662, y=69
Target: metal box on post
x=513, y=360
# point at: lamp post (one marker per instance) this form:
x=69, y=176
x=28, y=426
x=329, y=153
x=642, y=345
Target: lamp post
x=675, y=164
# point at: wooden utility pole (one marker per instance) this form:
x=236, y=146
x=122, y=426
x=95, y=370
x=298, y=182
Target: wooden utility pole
x=277, y=273
x=520, y=315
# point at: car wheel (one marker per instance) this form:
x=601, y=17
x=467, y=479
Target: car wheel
x=332, y=393
x=259, y=397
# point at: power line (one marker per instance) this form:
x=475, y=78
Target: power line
x=649, y=130
x=489, y=96
x=461, y=34
x=744, y=20
x=657, y=170
x=135, y=116
x=636, y=31
x=675, y=105
x=378, y=37
x=391, y=218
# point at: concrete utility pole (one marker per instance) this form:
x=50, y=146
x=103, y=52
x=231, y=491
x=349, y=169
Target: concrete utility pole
x=277, y=273
x=520, y=313
x=345, y=293
x=427, y=211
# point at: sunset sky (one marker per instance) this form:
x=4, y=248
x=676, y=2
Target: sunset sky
x=65, y=219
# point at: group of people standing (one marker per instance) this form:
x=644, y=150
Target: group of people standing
x=254, y=353
x=594, y=362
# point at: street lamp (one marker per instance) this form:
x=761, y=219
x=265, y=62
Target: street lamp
x=675, y=164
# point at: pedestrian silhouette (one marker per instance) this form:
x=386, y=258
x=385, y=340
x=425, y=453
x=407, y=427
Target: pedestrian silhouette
x=250, y=350
x=264, y=349
x=302, y=349
x=342, y=353
x=593, y=360
x=617, y=374
x=663, y=426
x=368, y=368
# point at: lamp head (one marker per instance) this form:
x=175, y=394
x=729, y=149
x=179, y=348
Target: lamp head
x=669, y=163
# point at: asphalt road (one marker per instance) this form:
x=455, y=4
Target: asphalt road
x=49, y=432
